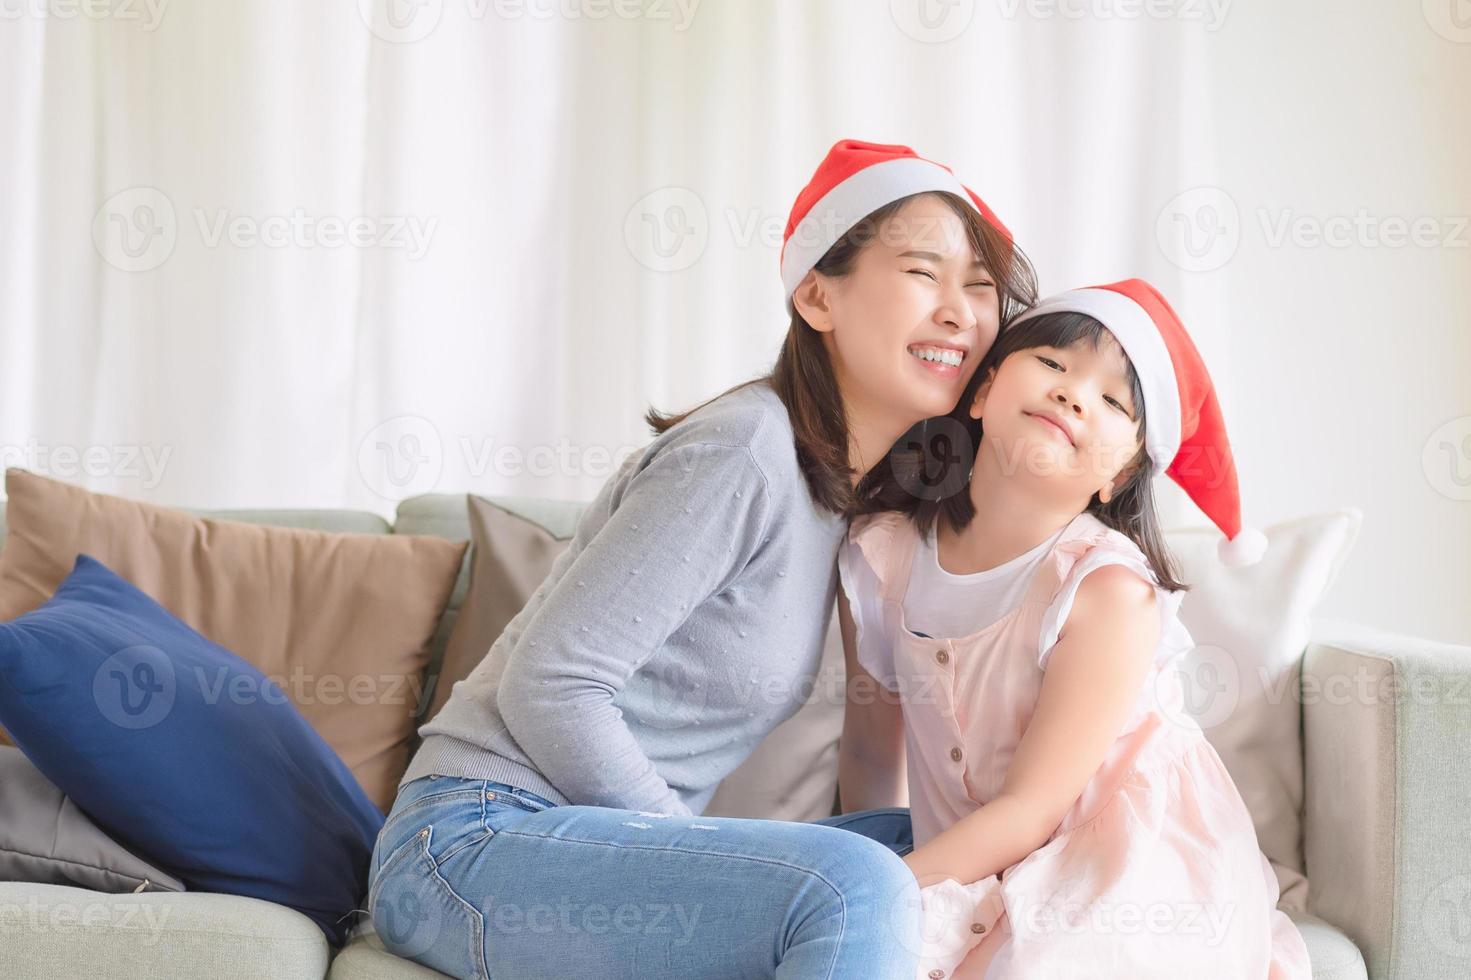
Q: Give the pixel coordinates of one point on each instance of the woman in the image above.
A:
(548, 826)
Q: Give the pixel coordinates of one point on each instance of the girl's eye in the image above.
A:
(980, 284)
(1115, 403)
(924, 272)
(1049, 362)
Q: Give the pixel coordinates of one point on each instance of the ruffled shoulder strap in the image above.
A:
(886, 540)
(1084, 536)
(1089, 544)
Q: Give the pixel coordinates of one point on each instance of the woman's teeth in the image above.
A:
(950, 357)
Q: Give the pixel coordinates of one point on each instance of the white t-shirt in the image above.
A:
(940, 604)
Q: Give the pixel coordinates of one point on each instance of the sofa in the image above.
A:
(1385, 832)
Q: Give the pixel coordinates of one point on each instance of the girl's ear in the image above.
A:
(1120, 480)
(978, 400)
(812, 300)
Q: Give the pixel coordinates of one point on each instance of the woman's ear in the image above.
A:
(978, 400)
(812, 300)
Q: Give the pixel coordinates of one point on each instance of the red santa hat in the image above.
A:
(854, 180)
(1186, 435)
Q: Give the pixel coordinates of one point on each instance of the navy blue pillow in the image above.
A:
(184, 752)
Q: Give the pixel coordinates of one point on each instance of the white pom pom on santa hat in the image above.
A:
(1246, 548)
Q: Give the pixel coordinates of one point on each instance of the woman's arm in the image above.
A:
(684, 528)
(871, 771)
(1094, 676)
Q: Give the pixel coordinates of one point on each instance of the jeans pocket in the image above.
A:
(420, 917)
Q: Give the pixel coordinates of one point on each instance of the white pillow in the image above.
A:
(1243, 678)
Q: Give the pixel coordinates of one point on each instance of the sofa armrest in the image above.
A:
(1387, 839)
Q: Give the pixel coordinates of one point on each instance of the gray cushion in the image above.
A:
(45, 839)
(1334, 956)
(364, 958)
(54, 931)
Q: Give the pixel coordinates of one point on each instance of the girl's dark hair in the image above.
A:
(927, 474)
(803, 375)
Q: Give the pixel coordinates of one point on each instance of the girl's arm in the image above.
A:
(871, 771)
(1094, 676)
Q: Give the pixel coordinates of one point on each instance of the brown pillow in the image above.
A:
(511, 558)
(341, 622)
(793, 772)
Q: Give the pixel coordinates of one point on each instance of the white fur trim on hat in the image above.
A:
(854, 199)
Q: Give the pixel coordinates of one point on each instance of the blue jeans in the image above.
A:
(482, 880)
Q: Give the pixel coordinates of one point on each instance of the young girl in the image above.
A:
(1069, 819)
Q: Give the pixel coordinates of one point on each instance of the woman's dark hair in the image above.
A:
(803, 377)
(927, 474)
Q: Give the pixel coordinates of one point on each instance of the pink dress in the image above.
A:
(1155, 871)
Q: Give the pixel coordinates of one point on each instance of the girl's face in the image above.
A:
(907, 326)
(1065, 414)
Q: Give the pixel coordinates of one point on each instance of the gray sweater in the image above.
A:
(684, 621)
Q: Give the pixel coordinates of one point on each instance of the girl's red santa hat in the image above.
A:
(854, 180)
(1186, 435)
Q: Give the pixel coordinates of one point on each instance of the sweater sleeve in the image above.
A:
(681, 530)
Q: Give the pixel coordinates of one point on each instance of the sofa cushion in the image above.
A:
(182, 751)
(1332, 954)
(510, 557)
(365, 958)
(45, 839)
(1243, 678)
(55, 931)
(342, 621)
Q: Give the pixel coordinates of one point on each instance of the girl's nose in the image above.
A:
(1067, 403)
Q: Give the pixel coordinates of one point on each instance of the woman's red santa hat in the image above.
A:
(1186, 435)
(854, 180)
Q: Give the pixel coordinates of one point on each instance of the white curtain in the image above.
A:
(269, 253)
(561, 218)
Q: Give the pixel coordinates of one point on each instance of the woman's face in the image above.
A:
(907, 326)
(1062, 413)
